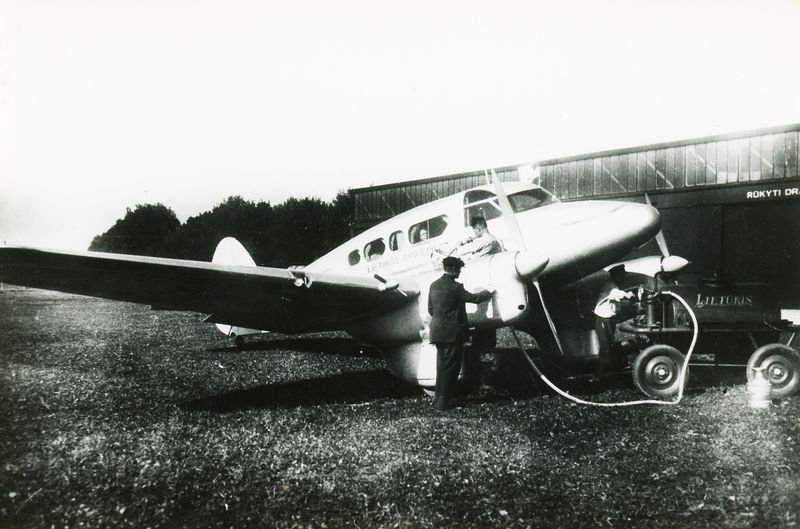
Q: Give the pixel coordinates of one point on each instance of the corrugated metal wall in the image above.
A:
(767, 155)
(377, 203)
(749, 157)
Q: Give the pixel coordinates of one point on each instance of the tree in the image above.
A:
(293, 233)
(140, 232)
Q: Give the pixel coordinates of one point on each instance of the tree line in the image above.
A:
(292, 233)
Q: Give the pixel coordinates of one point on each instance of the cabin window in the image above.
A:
(374, 249)
(396, 241)
(354, 257)
(530, 199)
(480, 203)
(427, 229)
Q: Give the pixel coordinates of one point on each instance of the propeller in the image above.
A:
(669, 263)
(660, 239)
(519, 241)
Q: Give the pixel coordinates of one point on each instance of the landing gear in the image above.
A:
(781, 366)
(657, 369)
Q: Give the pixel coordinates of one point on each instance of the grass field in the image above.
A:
(112, 415)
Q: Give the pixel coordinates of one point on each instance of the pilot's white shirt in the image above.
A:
(478, 246)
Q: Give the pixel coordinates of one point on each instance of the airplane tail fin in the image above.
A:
(231, 252)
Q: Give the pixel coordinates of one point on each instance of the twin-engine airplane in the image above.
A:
(375, 286)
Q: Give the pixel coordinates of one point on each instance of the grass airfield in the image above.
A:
(112, 415)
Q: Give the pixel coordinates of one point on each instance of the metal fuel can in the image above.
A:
(759, 390)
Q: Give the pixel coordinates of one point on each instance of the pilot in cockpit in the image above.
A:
(481, 242)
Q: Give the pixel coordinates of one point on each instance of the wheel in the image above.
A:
(781, 366)
(657, 369)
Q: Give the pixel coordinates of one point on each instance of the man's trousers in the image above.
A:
(448, 366)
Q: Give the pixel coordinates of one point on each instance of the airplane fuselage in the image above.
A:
(578, 238)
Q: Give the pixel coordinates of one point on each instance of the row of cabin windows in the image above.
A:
(477, 203)
(418, 233)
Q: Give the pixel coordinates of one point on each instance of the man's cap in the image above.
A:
(452, 262)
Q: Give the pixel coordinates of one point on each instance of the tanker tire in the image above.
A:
(781, 366)
(657, 369)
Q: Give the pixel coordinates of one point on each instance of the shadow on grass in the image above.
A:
(344, 388)
(331, 345)
(581, 379)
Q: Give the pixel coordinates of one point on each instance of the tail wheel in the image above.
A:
(657, 370)
(781, 366)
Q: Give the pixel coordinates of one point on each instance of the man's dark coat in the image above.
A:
(446, 300)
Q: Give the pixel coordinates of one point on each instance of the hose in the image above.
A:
(681, 377)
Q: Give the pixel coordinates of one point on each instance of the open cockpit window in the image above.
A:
(374, 249)
(354, 258)
(427, 229)
(530, 199)
(480, 203)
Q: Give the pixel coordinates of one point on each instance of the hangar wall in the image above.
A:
(728, 202)
(375, 204)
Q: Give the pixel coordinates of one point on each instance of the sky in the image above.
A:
(107, 104)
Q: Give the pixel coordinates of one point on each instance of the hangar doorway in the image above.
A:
(761, 242)
(749, 242)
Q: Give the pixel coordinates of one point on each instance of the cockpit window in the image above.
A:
(530, 199)
(427, 229)
(374, 249)
(480, 203)
(354, 258)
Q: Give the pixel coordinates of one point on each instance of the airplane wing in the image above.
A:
(274, 299)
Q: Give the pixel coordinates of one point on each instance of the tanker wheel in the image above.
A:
(781, 366)
(657, 369)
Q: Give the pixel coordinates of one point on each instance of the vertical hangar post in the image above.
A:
(729, 203)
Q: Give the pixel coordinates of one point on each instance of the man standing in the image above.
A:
(446, 300)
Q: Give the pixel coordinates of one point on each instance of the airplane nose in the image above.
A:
(589, 235)
(643, 220)
(616, 219)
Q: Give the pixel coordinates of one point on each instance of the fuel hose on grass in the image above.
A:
(681, 377)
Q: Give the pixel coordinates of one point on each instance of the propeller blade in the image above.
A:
(527, 263)
(660, 239)
(549, 319)
(508, 214)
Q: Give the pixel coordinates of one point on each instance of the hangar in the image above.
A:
(729, 203)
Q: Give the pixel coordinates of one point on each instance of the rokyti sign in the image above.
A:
(776, 192)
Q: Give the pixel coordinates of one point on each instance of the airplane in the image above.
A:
(375, 286)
